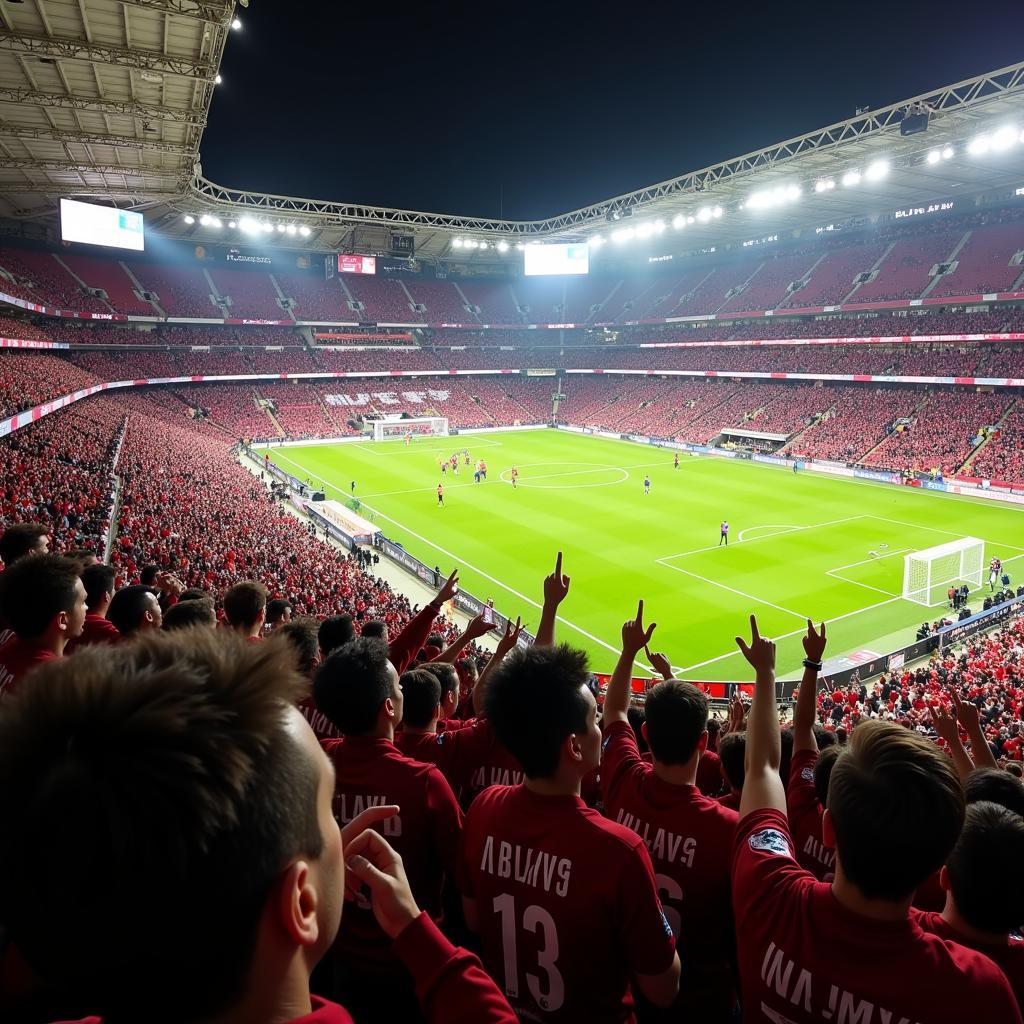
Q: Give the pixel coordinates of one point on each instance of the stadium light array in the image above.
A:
(280, 228)
(767, 198)
(824, 184)
(877, 170)
(189, 219)
(291, 229)
(236, 25)
(502, 246)
(1003, 138)
(623, 234)
(706, 213)
(678, 221)
(217, 80)
(267, 227)
(596, 242)
(851, 178)
(305, 231)
(520, 247)
(231, 224)
(456, 243)
(205, 220)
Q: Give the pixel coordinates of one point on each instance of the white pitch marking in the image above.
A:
(780, 530)
(469, 565)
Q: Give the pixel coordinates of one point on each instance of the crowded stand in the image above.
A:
(49, 279)
(180, 290)
(248, 293)
(1001, 457)
(28, 378)
(314, 298)
(383, 300)
(942, 432)
(112, 279)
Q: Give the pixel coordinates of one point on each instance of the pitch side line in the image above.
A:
(754, 540)
(733, 590)
(795, 632)
(486, 575)
(836, 573)
(400, 449)
(935, 529)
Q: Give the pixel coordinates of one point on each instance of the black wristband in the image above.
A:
(816, 665)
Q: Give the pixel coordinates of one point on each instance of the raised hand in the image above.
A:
(477, 628)
(814, 642)
(634, 637)
(966, 712)
(556, 586)
(379, 866)
(511, 636)
(659, 663)
(451, 586)
(944, 723)
(760, 652)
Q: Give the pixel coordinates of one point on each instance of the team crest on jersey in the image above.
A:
(807, 774)
(771, 840)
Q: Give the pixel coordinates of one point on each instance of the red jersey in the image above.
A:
(805, 814)
(97, 630)
(17, 659)
(730, 800)
(709, 774)
(804, 958)
(568, 905)
(471, 759)
(371, 772)
(323, 728)
(1007, 954)
(690, 840)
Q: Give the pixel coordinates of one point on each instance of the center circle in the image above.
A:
(566, 475)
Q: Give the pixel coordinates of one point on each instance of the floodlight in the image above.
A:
(1004, 138)
(979, 145)
(645, 230)
(231, 224)
(217, 80)
(877, 170)
(205, 220)
(189, 219)
(484, 245)
(678, 221)
(267, 227)
(824, 184)
(716, 212)
(597, 241)
(520, 246)
(291, 229)
(236, 25)
(304, 231)
(623, 234)
(216, 222)
(934, 156)
(502, 246)
(851, 178)
(704, 214)
(456, 243)
(690, 220)
(248, 225)
(947, 152)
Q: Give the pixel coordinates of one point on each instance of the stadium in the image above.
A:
(781, 390)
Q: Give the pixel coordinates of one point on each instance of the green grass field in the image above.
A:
(800, 545)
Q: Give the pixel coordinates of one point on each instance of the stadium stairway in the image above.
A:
(826, 414)
(139, 287)
(878, 444)
(81, 284)
(966, 467)
(952, 256)
(465, 301)
(848, 297)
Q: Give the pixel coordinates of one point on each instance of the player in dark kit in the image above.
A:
(724, 536)
(675, 461)
(440, 495)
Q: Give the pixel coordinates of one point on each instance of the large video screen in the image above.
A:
(357, 264)
(101, 225)
(573, 258)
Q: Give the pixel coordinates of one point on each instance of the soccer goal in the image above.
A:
(420, 426)
(928, 574)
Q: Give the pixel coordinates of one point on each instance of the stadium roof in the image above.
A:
(108, 99)
(105, 99)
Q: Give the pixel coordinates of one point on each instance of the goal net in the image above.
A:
(928, 574)
(420, 426)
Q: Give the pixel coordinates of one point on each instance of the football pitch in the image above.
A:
(800, 544)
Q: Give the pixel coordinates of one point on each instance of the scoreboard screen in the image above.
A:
(540, 260)
(357, 264)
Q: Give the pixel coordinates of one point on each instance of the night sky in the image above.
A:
(531, 109)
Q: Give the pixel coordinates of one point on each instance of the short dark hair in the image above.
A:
(276, 608)
(165, 766)
(422, 696)
(19, 539)
(824, 737)
(128, 606)
(194, 594)
(374, 629)
(990, 847)
(352, 684)
(446, 675)
(34, 590)
(148, 575)
(82, 556)
(243, 603)
(534, 700)
(98, 581)
(996, 787)
(896, 807)
(186, 614)
(823, 772)
(335, 631)
(732, 751)
(435, 640)
(677, 715)
(301, 634)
